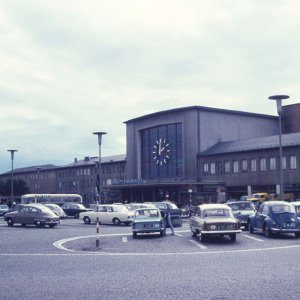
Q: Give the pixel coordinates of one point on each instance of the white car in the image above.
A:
(108, 214)
(56, 209)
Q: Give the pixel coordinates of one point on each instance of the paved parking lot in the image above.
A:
(66, 263)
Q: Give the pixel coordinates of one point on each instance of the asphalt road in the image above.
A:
(63, 263)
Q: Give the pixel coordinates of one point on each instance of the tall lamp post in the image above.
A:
(12, 154)
(279, 99)
(98, 184)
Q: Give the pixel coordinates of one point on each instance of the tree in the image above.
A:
(20, 188)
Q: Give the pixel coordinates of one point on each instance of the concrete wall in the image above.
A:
(291, 118)
(202, 128)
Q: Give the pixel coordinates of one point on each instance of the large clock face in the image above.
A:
(161, 151)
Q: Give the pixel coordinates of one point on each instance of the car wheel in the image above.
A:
(23, 225)
(87, 220)
(39, 224)
(267, 231)
(127, 223)
(10, 222)
(51, 225)
(116, 221)
(233, 237)
(134, 234)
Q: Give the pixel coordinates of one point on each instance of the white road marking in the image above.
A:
(252, 238)
(124, 239)
(198, 244)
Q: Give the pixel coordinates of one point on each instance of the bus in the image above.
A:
(59, 199)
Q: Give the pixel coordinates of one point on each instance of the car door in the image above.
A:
(109, 214)
(261, 215)
(23, 215)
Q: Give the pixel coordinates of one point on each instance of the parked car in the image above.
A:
(3, 209)
(214, 220)
(74, 209)
(147, 220)
(175, 212)
(32, 214)
(134, 205)
(108, 214)
(242, 210)
(56, 209)
(296, 204)
(275, 217)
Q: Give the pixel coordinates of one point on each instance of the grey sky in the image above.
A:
(72, 67)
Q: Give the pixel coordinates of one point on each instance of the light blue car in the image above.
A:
(147, 220)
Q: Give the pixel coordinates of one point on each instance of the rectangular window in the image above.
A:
(293, 162)
(283, 163)
(235, 166)
(244, 165)
(212, 168)
(262, 164)
(253, 165)
(272, 163)
(227, 166)
(206, 168)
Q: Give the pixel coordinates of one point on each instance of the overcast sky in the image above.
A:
(72, 67)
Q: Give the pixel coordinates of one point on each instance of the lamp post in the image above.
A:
(279, 99)
(12, 154)
(98, 184)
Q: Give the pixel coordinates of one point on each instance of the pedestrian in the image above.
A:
(167, 220)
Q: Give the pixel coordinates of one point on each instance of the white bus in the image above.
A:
(59, 199)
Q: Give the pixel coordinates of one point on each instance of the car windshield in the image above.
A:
(281, 208)
(147, 213)
(217, 212)
(241, 206)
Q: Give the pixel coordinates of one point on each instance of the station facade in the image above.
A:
(193, 153)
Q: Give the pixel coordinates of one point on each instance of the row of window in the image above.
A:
(106, 169)
(252, 165)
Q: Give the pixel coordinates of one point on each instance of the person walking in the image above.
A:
(167, 220)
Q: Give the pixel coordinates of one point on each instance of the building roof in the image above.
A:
(32, 169)
(202, 108)
(260, 143)
(77, 163)
(93, 160)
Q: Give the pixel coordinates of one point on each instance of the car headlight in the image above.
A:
(213, 226)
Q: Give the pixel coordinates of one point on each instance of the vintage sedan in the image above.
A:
(116, 214)
(275, 217)
(175, 212)
(242, 210)
(3, 209)
(32, 214)
(74, 209)
(56, 209)
(214, 220)
(147, 220)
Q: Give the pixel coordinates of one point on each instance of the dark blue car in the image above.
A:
(275, 217)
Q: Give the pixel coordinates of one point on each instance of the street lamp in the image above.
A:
(98, 183)
(12, 153)
(279, 99)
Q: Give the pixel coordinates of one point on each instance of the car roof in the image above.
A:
(213, 205)
(234, 202)
(275, 202)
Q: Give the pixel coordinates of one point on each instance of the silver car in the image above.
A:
(214, 220)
